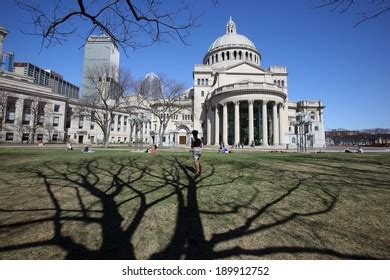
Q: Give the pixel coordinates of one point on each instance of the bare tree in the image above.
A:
(162, 97)
(132, 108)
(3, 106)
(21, 128)
(107, 86)
(365, 9)
(129, 23)
(37, 116)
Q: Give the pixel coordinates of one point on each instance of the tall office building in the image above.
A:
(99, 52)
(47, 78)
(8, 61)
(3, 33)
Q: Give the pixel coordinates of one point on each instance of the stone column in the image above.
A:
(250, 113)
(19, 111)
(275, 124)
(258, 118)
(236, 122)
(216, 126)
(265, 123)
(281, 118)
(208, 123)
(225, 125)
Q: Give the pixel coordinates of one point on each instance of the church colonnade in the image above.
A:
(245, 121)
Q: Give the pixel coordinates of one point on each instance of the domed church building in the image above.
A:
(237, 101)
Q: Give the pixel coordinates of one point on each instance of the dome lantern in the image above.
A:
(231, 27)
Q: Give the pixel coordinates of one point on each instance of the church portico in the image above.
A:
(254, 121)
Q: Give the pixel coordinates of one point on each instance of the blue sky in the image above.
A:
(347, 68)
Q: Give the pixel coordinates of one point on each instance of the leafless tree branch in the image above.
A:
(129, 23)
(365, 9)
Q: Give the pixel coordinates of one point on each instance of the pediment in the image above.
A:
(245, 67)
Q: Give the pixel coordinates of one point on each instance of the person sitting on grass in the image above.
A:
(153, 150)
(87, 149)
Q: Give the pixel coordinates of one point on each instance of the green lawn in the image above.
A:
(115, 204)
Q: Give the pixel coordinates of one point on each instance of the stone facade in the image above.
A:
(236, 101)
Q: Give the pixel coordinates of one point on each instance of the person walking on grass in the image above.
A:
(196, 145)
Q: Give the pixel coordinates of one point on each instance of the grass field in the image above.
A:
(112, 204)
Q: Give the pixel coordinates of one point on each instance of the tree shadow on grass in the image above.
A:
(115, 183)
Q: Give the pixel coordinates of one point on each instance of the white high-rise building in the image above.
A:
(99, 52)
(3, 33)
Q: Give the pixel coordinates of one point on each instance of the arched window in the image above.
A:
(235, 54)
(250, 56)
(207, 82)
(246, 55)
(239, 55)
(227, 55)
(275, 82)
(223, 56)
(202, 82)
(282, 83)
(212, 59)
(278, 82)
(216, 57)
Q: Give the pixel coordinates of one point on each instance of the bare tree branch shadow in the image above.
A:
(116, 182)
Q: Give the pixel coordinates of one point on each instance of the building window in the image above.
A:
(282, 83)
(40, 137)
(289, 128)
(293, 140)
(164, 139)
(207, 82)
(9, 137)
(55, 138)
(198, 82)
(10, 110)
(56, 108)
(202, 82)
(41, 113)
(202, 93)
(25, 137)
(56, 120)
(26, 112)
(316, 128)
(81, 122)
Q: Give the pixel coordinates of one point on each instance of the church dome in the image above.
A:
(229, 48)
(231, 38)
